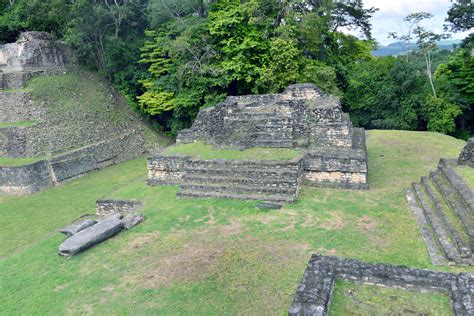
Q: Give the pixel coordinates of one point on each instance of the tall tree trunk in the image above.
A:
(429, 71)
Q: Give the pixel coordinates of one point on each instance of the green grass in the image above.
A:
(15, 162)
(17, 124)
(83, 94)
(357, 299)
(204, 151)
(214, 256)
(467, 173)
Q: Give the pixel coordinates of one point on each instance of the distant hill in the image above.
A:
(398, 48)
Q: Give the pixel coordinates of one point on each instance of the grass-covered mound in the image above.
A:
(203, 151)
(215, 256)
(80, 109)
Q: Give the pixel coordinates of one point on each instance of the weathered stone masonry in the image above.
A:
(71, 144)
(314, 295)
(443, 205)
(302, 117)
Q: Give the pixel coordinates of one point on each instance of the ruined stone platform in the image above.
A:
(443, 205)
(302, 117)
(65, 146)
(315, 292)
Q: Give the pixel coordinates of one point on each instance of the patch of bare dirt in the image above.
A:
(367, 223)
(141, 241)
(334, 222)
(309, 221)
(192, 261)
(234, 228)
(267, 219)
(292, 220)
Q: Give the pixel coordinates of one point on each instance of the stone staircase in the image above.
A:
(269, 181)
(268, 128)
(443, 206)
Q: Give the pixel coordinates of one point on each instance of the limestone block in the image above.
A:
(77, 227)
(90, 237)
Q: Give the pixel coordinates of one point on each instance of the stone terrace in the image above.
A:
(301, 117)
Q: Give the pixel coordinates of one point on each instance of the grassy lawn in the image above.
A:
(467, 173)
(17, 124)
(215, 256)
(14, 162)
(203, 151)
(357, 299)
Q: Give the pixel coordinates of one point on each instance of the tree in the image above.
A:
(460, 16)
(425, 39)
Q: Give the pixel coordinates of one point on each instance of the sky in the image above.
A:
(390, 16)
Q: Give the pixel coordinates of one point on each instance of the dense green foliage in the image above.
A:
(170, 58)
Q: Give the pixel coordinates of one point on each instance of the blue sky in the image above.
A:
(390, 16)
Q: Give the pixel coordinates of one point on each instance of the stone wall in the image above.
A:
(166, 170)
(59, 169)
(338, 167)
(25, 179)
(466, 157)
(313, 296)
(33, 51)
(123, 207)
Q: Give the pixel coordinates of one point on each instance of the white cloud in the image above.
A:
(390, 16)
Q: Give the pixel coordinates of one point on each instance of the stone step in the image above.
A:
(279, 182)
(257, 120)
(453, 200)
(238, 189)
(278, 143)
(442, 237)
(257, 165)
(466, 195)
(244, 171)
(437, 257)
(258, 197)
(461, 240)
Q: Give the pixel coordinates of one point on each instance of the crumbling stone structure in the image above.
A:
(67, 146)
(302, 117)
(466, 158)
(123, 207)
(313, 296)
(443, 205)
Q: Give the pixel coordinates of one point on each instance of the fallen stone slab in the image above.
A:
(132, 220)
(77, 227)
(90, 236)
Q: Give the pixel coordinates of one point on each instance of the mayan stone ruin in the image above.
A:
(443, 205)
(466, 158)
(302, 117)
(66, 146)
(314, 295)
